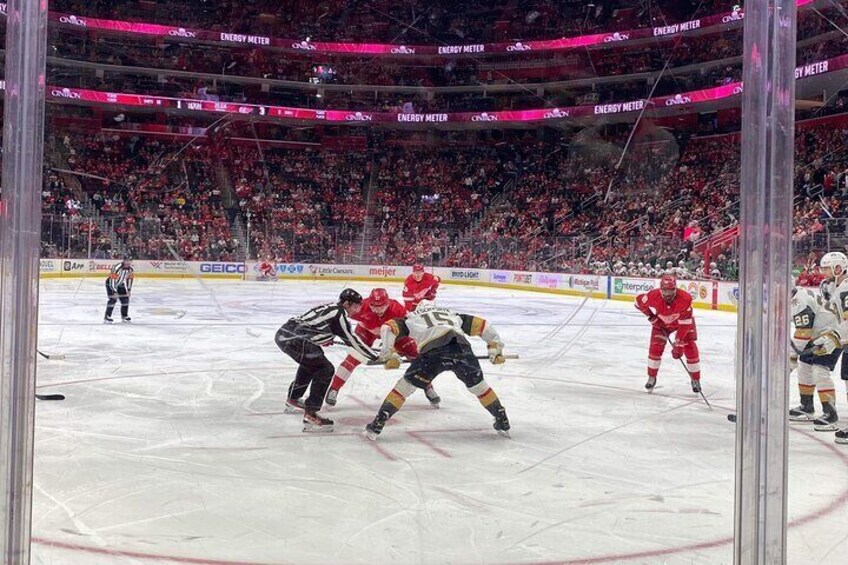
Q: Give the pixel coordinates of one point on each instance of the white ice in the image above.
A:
(172, 445)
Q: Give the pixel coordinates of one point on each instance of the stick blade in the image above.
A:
(50, 396)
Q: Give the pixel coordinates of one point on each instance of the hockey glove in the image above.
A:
(656, 322)
(406, 347)
(793, 361)
(392, 362)
(826, 343)
(677, 350)
(496, 353)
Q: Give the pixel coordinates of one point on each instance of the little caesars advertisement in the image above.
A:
(632, 286)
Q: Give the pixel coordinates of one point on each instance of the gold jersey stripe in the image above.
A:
(477, 326)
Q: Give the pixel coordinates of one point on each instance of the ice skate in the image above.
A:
(696, 386)
(107, 319)
(332, 397)
(501, 424)
(126, 319)
(314, 422)
(802, 413)
(652, 382)
(375, 428)
(432, 396)
(826, 422)
(842, 436)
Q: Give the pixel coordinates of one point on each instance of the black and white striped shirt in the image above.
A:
(321, 323)
(120, 276)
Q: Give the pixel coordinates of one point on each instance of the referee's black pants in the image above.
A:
(115, 295)
(314, 371)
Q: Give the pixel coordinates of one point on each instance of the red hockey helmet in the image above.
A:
(668, 287)
(418, 268)
(379, 300)
(379, 297)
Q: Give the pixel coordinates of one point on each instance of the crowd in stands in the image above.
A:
(528, 205)
(163, 198)
(682, 76)
(402, 21)
(521, 206)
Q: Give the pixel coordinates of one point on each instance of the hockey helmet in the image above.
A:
(835, 259)
(350, 296)
(668, 286)
(379, 297)
(418, 268)
(379, 300)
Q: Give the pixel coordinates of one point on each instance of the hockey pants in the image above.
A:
(657, 347)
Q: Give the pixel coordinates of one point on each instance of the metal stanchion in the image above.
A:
(768, 106)
(20, 231)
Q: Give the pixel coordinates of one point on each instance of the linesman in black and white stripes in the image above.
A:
(302, 338)
(118, 287)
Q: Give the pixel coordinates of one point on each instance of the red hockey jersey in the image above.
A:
(416, 291)
(371, 322)
(677, 315)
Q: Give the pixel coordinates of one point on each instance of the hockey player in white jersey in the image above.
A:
(814, 319)
(442, 345)
(834, 266)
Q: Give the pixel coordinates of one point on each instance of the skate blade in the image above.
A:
(371, 435)
(435, 405)
(504, 433)
(311, 428)
(801, 419)
(826, 428)
(292, 410)
(841, 440)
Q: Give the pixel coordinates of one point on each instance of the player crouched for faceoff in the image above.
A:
(118, 287)
(302, 338)
(376, 310)
(815, 349)
(440, 335)
(419, 286)
(834, 267)
(669, 310)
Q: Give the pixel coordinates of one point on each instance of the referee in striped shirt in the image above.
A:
(302, 338)
(118, 287)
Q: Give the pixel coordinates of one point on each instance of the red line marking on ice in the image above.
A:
(803, 520)
(139, 555)
(384, 452)
(429, 444)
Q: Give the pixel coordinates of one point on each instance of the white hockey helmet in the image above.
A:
(835, 259)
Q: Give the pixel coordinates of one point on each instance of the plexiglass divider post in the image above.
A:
(20, 242)
(768, 105)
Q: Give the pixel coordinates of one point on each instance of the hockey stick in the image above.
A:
(53, 356)
(50, 396)
(685, 368)
(404, 361)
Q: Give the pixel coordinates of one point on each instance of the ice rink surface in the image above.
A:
(172, 445)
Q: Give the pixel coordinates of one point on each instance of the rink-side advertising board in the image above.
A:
(706, 294)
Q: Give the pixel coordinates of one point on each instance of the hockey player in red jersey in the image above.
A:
(669, 310)
(376, 310)
(267, 270)
(419, 286)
